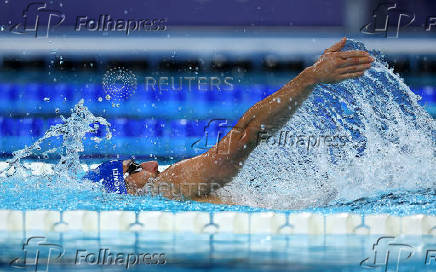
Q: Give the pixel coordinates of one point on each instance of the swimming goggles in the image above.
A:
(133, 167)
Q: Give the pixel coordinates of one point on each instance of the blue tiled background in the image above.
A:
(151, 123)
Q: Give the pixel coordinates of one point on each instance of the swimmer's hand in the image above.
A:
(334, 66)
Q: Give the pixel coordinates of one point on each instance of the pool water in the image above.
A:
(44, 194)
(386, 166)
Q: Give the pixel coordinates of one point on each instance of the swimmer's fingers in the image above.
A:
(354, 68)
(337, 46)
(353, 54)
(353, 61)
(350, 75)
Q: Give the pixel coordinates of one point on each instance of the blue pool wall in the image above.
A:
(152, 123)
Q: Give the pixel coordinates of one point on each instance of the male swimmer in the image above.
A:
(198, 177)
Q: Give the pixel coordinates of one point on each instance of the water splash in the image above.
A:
(391, 146)
(72, 131)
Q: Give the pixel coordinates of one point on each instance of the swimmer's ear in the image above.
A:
(337, 46)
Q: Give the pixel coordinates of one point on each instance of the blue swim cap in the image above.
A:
(110, 175)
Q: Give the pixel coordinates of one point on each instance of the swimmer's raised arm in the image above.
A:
(272, 112)
(222, 162)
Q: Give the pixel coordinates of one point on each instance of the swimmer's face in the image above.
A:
(141, 176)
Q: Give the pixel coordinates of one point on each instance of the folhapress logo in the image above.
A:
(383, 15)
(38, 254)
(38, 20)
(214, 131)
(105, 23)
(388, 254)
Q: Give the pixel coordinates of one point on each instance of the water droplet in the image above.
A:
(57, 110)
(47, 99)
(108, 97)
(100, 99)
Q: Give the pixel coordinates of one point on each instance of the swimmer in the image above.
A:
(198, 177)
